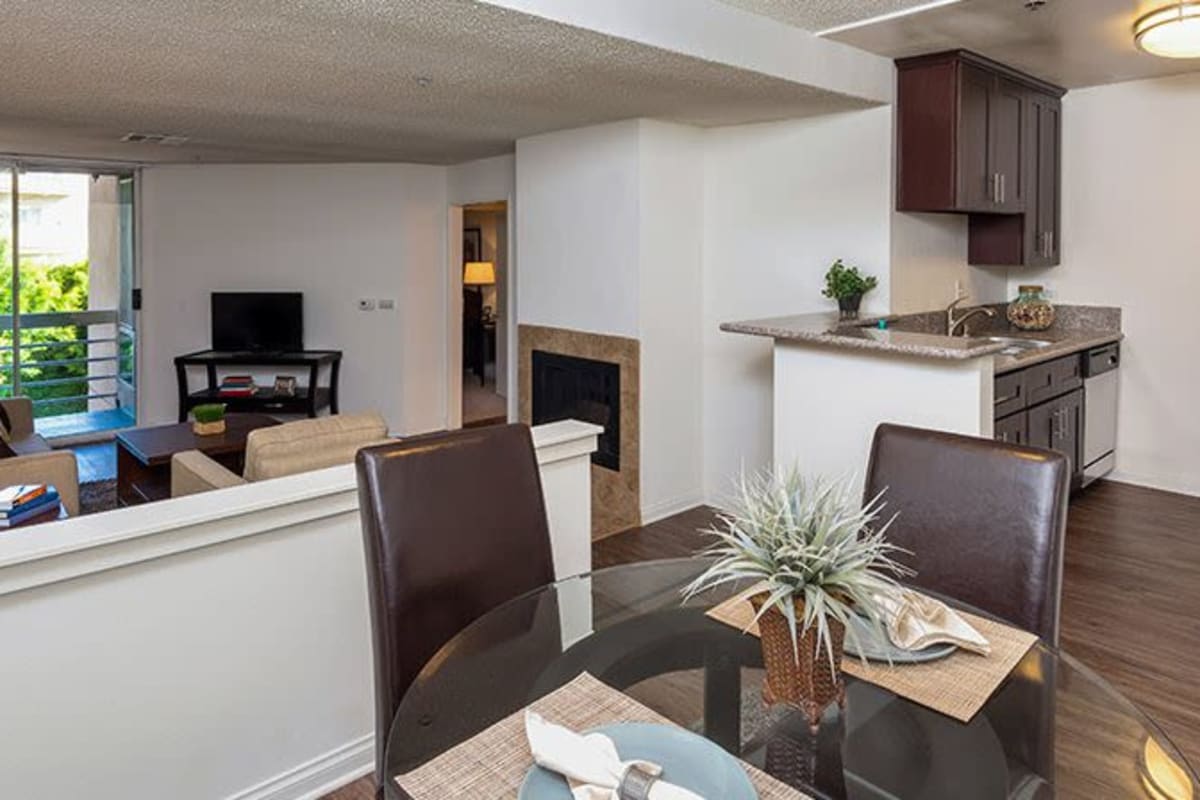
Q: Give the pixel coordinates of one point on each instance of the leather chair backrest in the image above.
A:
(454, 524)
(984, 520)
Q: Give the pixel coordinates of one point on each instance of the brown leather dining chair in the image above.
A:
(454, 524)
(983, 521)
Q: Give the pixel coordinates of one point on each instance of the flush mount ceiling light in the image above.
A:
(1171, 31)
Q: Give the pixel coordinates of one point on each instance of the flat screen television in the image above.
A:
(257, 321)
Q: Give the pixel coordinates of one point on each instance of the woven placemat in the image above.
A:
(957, 686)
(492, 764)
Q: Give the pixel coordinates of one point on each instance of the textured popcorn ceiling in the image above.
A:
(819, 15)
(1074, 43)
(322, 80)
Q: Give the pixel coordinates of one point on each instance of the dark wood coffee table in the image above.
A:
(144, 454)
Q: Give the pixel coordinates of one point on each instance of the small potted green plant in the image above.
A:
(208, 419)
(847, 285)
(813, 555)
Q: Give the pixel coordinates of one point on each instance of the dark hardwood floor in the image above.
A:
(1131, 597)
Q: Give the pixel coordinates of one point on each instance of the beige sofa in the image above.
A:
(281, 450)
(34, 461)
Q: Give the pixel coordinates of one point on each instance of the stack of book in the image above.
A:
(237, 386)
(19, 503)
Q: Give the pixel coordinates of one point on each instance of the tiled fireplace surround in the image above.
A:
(616, 496)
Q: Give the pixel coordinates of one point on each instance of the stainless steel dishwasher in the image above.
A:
(1100, 386)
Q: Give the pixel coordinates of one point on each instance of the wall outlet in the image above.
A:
(366, 304)
(387, 304)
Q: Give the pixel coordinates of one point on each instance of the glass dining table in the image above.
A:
(1052, 729)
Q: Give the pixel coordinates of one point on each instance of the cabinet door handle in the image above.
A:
(1049, 243)
(1003, 188)
(995, 187)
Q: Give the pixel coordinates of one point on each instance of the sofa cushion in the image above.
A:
(310, 444)
(29, 445)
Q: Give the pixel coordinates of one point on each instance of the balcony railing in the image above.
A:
(61, 365)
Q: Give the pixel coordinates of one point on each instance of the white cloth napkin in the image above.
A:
(590, 763)
(916, 621)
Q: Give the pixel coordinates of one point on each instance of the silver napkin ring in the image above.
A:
(635, 785)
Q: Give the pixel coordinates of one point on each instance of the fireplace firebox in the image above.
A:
(568, 387)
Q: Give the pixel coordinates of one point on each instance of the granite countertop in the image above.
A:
(1076, 328)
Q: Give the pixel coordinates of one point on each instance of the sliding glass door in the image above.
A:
(66, 284)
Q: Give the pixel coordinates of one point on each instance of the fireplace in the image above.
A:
(593, 377)
(570, 387)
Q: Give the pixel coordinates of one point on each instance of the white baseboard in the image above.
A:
(318, 777)
(667, 508)
(1154, 482)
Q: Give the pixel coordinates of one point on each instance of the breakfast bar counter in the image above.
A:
(836, 380)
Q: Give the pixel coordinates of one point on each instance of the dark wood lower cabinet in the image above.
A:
(1013, 429)
(1042, 406)
(1058, 425)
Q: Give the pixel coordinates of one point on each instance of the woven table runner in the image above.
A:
(492, 764)
(957, 686)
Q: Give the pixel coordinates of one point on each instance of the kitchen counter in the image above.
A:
(834, 382)
(1076, 328)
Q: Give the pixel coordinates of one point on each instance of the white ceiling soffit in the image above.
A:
(341, 80)
(822, 15)
(1073, 43)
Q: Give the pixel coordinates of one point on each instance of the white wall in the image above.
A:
(929, 255)
(782, 201)
(482, 181)
(1131, 239)
(335, 233)
(217, 646)
(577, 229)
(671, 250)
(610, 237)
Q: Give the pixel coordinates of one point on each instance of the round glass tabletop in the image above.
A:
(1052, 729)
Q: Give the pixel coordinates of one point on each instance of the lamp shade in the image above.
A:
(479, 273)
(1172, 31)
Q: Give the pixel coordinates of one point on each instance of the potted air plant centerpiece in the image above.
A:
(847, 285)
(208, 419)
(815, 555)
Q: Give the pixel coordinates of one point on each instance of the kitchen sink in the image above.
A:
(1015, 346)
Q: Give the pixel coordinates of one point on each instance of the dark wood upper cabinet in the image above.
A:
(1032, 238)
(977, 137)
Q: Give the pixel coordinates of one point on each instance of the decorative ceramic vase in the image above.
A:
(849, 306)
(208, 428)
(1031, 311)
(809, 683)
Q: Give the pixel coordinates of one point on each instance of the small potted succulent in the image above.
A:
(847, 285)
(208, 419)
(814, 555)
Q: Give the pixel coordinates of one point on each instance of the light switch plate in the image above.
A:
(387, 304)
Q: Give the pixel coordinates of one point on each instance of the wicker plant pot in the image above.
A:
(208, 428)
(808, 683)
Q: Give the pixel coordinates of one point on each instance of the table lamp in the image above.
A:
(479, 273)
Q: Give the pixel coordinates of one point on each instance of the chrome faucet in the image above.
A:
(953, 324)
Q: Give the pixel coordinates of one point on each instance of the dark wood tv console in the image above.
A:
(308, 399)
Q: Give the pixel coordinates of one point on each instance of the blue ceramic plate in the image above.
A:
(874, 646)
(687, 760)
